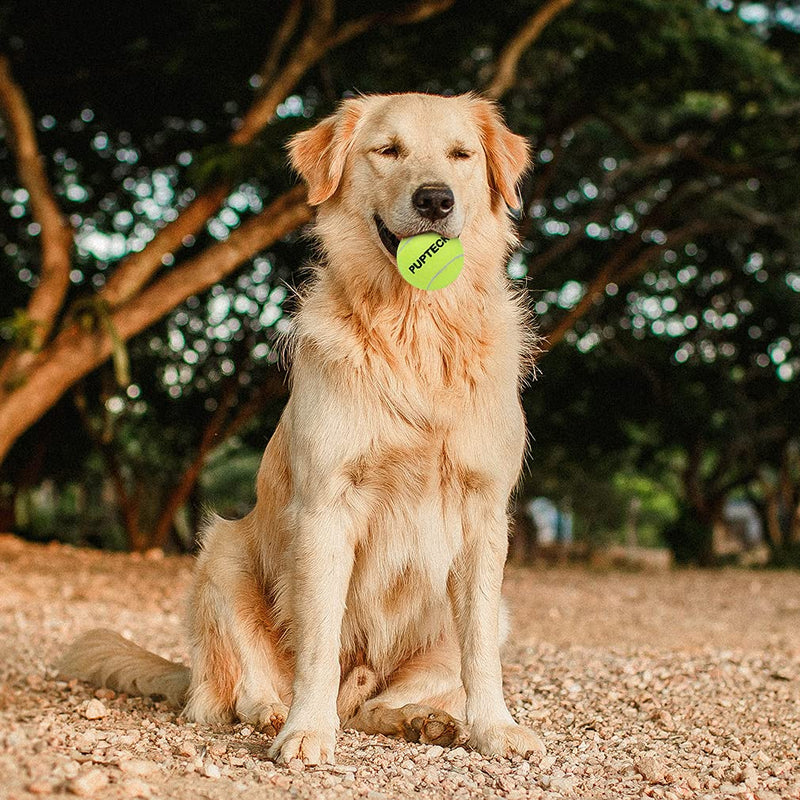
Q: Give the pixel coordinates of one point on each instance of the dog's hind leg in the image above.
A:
(423, 702)
(237, 670)
(264, 688)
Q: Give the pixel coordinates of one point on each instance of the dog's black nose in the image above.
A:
(433, 202)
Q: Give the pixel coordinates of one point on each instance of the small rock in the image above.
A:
(762, 759)
(296, 765)
(105, 694)
(139, 767)
(749, 776)
(135, 788)
(211, 770)
(666, 720)
(40, 787)
(693, 782)
(86, 741)
(651, 769)
(95, 709)
(548, 762)
(88, 784)
(563, 785)
(431, 776)
(187, 749)
(435, 751)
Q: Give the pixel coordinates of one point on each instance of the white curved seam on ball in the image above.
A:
(455, 258)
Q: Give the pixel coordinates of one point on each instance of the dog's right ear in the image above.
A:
(319, 154)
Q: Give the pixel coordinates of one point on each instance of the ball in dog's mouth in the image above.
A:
(391, 241)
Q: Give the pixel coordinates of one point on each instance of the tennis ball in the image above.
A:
(429, 261)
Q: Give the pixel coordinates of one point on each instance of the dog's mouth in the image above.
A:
(388, 239)
(391, 241)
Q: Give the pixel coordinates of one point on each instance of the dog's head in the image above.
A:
(407, 164)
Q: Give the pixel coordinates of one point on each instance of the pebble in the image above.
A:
(95, 709)
(547, 763)
(187, 749)
(88, 784)
(139, 767)
(40, 787)
(211, 770)
(135, 788)
(651, 769)
(563, 785)
(762, 759)
(86, 741)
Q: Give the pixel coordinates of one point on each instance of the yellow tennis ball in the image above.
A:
(430, 261)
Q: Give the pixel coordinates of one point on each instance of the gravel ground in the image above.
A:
(678, 684)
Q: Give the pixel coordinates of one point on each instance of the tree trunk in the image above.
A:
(176, 499)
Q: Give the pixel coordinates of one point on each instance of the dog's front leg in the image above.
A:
(321, 566)
(475, 584)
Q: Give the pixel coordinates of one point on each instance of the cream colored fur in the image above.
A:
(370, 569)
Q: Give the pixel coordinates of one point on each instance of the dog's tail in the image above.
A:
(104, 658)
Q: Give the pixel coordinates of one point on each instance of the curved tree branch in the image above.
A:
(55, 234)
(283, 34)
(507, 62)
(320, 39)
(312, 48)
(415, 12)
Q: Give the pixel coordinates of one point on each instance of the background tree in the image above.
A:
(659, 241)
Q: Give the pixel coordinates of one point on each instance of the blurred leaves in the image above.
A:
(19, 329)
(646, 117)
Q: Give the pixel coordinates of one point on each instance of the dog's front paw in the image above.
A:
(506, 739)
(310, 746)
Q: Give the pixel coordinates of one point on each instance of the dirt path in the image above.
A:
(672, 685)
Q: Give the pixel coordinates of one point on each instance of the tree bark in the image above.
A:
(55, 234)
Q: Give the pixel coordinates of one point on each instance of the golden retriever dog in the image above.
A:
(363, 590)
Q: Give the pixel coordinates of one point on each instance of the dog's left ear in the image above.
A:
(319, 154)
(507, 154)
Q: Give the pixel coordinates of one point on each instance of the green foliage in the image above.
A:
(19, 329)
(666, 134)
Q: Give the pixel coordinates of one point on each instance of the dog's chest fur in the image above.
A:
(425, 398)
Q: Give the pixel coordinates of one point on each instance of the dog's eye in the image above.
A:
(389, 150)
(460, 155)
